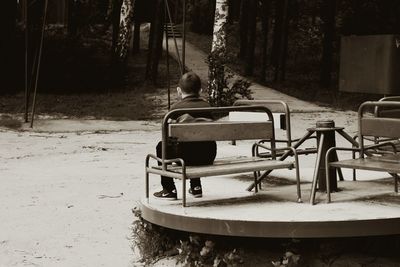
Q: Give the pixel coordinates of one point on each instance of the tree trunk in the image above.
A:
(115, 19)
(72, 28)
(176, 5)
(218, 51)
(234, 10)
(125, 30)
(155, 41)
(265, 31)
(328, 18)
(278, 21)
(8, 16)
(251, 41)
(281, 49)
(243, 24)
(136, 37)
(285, 39)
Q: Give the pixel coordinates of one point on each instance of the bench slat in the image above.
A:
(221, 131)
(383, 127)
(390, 164)
(222, 167)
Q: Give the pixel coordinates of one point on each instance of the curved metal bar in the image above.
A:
(383, 144)
(297, 166)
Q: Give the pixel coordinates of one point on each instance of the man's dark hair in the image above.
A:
(190, 83)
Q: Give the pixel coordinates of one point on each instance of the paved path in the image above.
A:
(195, 60)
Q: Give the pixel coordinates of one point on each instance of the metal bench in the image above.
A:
(279, 107)
(282, 109)
(372, 157)
(219, 131)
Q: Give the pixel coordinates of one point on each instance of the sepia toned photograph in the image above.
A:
(200, 133)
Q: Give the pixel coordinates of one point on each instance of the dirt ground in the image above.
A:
(68, 185)
(68, 188)
(67, 196)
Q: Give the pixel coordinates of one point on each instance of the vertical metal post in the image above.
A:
(38, 64)
(167, 55)
(329, 142)
(317, 168)
(25, 3)
(183, 35)
(173, 36)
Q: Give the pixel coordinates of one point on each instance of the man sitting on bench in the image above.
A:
(193, 153)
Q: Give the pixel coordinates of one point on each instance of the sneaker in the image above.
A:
(165, 194)
(196, 192)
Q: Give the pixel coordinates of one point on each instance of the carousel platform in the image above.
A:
(366, 207)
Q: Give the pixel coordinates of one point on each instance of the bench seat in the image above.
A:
(224, 167)
(390, 163)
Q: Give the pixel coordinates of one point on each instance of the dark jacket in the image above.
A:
(193, 102)
(195, 153)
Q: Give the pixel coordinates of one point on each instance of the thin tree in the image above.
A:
(281, 32)
(251, 36)
(155, 41)
(234, 10)
(265, 11)
(136, 36)
(8, 15)
(115, 12)
(328, 27)
(218, 51)
(243, 24)
(277, 31)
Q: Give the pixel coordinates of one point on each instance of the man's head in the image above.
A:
(189, 84)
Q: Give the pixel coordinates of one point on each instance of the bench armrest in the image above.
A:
(259, 144)
(166, 161)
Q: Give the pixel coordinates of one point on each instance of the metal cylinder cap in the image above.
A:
(325, 124)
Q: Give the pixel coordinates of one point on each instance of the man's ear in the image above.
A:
(179, 90)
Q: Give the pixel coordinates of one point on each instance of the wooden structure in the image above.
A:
(370, 156)
(220, 131)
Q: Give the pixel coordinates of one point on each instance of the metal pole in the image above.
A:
(26, 59)
(183, 35)
(39, 61)
(167, 52)
(173, 36)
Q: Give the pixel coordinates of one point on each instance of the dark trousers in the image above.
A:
(193, 153)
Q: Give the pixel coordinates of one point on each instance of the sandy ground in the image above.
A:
(67, 196)
(68, 187)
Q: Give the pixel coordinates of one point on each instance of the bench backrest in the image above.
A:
(217, 130)
(377, 126)
(388, 112)
(380, 127)
(221, 131)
